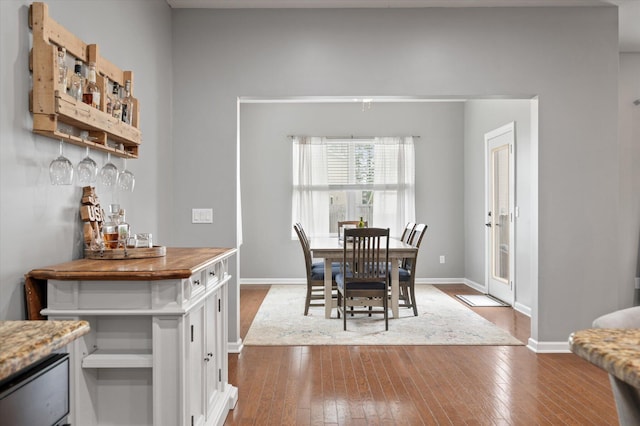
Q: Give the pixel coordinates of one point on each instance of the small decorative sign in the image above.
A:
(92, 215)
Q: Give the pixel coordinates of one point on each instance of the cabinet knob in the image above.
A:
(210, 354)
(212, 273)
(196, 282)
(206, 359)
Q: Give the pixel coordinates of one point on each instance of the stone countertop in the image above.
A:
(615, 350)
(23, 343)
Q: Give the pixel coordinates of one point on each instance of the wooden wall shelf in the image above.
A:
(58, 115)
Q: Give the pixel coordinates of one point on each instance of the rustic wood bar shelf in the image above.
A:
(60, 116)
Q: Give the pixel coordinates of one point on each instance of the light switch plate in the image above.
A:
(201, 215)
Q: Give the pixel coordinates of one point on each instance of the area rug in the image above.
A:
(441, 320)
(480, 300)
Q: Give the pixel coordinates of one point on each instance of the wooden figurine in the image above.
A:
(92, 215)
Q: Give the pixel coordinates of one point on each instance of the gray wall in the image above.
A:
(266, 178)
(39, 223)
(629, 117)
(566, 56)
(482, 116)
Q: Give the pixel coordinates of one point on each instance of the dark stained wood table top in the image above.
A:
(177, 264)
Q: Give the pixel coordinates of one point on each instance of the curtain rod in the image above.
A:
(353, 137)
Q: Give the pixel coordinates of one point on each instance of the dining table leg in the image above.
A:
(395, 288)
(328, 284)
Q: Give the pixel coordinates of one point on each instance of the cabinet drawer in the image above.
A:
(196, 284)
(213, 274)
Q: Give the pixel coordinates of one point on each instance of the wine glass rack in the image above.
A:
(57, 114)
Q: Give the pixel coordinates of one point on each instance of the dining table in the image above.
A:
(331, 249)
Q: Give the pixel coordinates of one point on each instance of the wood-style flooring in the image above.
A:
(415, 385)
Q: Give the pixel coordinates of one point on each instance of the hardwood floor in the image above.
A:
(414, 385)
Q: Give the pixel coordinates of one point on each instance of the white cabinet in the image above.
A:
(157, 350)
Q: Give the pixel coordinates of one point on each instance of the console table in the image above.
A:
(157, 350)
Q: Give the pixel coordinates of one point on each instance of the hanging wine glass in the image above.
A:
(87, 171)
(61, 170)
(108, 173)
(126, 179)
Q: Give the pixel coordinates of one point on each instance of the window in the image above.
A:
(345, 179)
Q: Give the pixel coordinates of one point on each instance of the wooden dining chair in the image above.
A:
(407, 272)
(314, 273)
(408, 232)
(364, 277)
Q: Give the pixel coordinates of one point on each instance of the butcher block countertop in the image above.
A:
(178, 263)
(23, 343)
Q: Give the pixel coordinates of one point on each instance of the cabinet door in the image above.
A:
(222, 338)
(212, 366)
(195, 358)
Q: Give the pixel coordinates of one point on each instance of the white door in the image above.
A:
(500, 202)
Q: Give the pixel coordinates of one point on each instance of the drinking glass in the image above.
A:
(87, 170)
(126, 179)
(61, 170)
(108, 173)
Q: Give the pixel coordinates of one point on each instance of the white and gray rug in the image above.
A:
(441, 320)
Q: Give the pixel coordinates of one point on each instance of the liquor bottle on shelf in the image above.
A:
(361, 223)
(109, 98)
(116, 109)
(76, 85)
(127, 103)
(91, 95)
(62, 70)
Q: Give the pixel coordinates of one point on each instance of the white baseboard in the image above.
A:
(235, 347)
(270, 281)
(440, 281)
(523, 309)
(548, 347)
(476, 286)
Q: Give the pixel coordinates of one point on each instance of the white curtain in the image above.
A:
(394, 183)
(310, 198)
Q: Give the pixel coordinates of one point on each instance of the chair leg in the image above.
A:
(344, 313)
(412, 290)
(385, 303)
(307, 302)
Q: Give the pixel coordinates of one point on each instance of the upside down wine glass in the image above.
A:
(87, 170)
(108, 173)
(126, 179)
(61, 170)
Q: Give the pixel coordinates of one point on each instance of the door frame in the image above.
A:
(509, 127)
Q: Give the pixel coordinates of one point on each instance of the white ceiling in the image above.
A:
(628, 10)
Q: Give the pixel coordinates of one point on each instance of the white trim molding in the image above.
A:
(482, 288)
(235, 347)
(548, 347)
(523, 309)
(273, 281)
(440, 281)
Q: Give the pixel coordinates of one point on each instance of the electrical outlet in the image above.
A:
(201, 215)
(441, 259)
